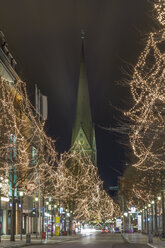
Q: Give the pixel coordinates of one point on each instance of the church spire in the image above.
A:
(83, 131)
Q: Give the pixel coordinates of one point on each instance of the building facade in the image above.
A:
(23, 205)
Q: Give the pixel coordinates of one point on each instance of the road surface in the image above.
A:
(101, 240)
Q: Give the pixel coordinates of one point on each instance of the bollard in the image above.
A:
(28, 238)
(150, 238)
(43, 235)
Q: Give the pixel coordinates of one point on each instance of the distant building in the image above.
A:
(41, 103)
(7, 62)
(83, 131)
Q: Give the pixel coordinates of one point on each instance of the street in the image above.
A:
(100, 240)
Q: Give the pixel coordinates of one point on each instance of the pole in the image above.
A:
(12, 238)
(36, 220)
(47, 223)
(21, 217)
(55, 218)
(159, 215)
(52, 210)
(147, 221)
(150, 207)
(156, 217)
(143, 221)
(43, 215)
(163, 214)
(70, 218)
(0, 216)
(152, 210)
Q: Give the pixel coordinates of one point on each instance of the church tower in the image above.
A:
(83, 131)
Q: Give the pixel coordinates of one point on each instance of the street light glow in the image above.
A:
(21, 193)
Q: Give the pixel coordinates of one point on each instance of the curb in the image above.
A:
(125, 239)
(151, 245)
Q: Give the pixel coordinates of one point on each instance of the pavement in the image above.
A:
(131, 238)
(96, 240)
(6, 243)
(139, 238)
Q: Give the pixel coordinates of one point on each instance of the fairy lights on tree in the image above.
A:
(148, 91)
(144, 180)
(28, 159)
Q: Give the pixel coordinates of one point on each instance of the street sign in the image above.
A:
(57, 219)
(133, 210)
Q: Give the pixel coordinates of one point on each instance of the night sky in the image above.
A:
(44, 38)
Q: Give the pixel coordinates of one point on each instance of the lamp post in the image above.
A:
(159, 198)
(125, 220)
(152, 211)
(21, 201)
(55, 206)
(149, 225)
(149, 218)
(1, 178)
(146, 220)
(163, 214)
(156, 215)
(143, 220)
(47, 203)
(36, 201)
(52, 219)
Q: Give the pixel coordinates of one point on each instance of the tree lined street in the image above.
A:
(58, 197)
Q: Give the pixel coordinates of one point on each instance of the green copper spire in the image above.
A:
(83, 131)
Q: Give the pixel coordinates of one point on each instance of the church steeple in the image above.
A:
(83, 131)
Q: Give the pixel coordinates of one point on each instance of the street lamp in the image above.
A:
(159, 199)
(152, 210)
(148, 218)
(55, 207)
(21, 201)
(36, 200)
(47, 211)
(1, 178)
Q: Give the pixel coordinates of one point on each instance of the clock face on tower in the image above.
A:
(84, 144)
(82, 141)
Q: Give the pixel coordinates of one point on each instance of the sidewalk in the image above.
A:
(143, 239)
(6, 243)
